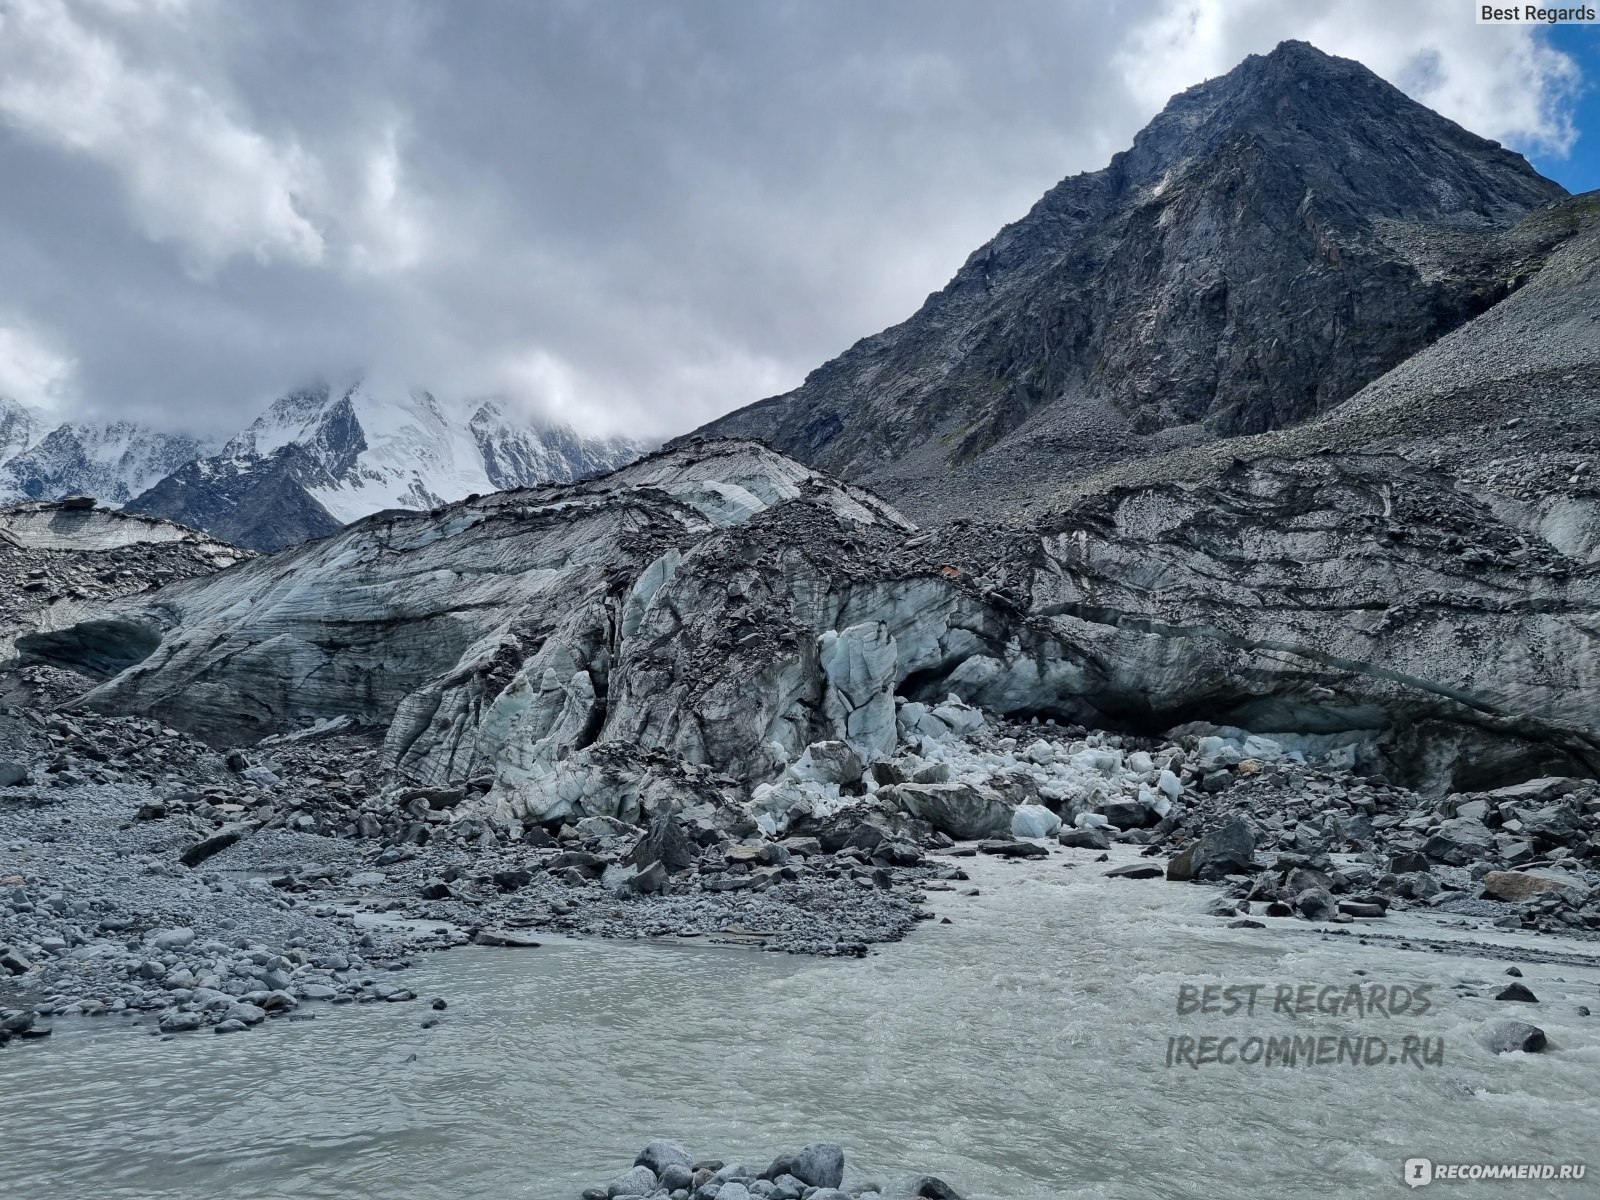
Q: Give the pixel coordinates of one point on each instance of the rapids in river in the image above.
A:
(1019, 1052)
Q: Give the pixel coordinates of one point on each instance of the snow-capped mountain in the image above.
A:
(323, 456)
(112, 461)
(19, 428)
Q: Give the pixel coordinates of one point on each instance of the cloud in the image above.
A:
(194, 176)
(632, 216)
(31, 371)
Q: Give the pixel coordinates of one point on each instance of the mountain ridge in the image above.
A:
(1272, 241)
(319, 457)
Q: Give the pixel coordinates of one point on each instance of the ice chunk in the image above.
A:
(1034, 821)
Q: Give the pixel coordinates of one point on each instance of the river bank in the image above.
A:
(1017, 1052)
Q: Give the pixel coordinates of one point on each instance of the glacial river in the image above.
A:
(1018, 1052)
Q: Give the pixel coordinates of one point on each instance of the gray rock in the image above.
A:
(1519, 886)
(1503, 1037)
(13, 963)
(821, 1164)
(13, 774)
(1358, 908)
(179, 1022)
(829, 762)
(1459, 841)
(214, 843)
(248, 1014)
(661, 1153)
(651, 878)
(1517, 991)
(1222, 852)
(1407, 863)
(674, 1176)
(1125, 814)
(959, 810)
(921, 1187)
(1085, 839)
(639, 1181)
(1138, 870)
(665, 842)
(1315, 904)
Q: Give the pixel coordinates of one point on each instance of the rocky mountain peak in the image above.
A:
(1272, 241)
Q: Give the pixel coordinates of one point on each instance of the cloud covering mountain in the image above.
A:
(632, 218)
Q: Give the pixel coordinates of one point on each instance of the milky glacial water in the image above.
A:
(1017, 1052)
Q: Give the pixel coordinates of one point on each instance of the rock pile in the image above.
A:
(665, 1169)
(1327, 844)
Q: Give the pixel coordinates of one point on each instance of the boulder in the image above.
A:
(12, 962)
(675, 1177)
(13, 774)
(590, 828)
(1504, 1037)
(651, 878)
(1125, 814)
(1459, 841)
(1533, 791)
(1315, 904)
(662, 1153)
(1552, 825)
(959, 810)
(215, 843)
(921, 1187)
(1407, 862)
(1011, 848)
(510, 938)
(1085, 839)
(828, 762)
(1361, 908)
(821, 1164)
(248, 1014)
(1517, 886)
(637, 1181)
(1138, 870)
(1222, 852)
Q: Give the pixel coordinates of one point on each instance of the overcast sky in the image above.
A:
(634, 215)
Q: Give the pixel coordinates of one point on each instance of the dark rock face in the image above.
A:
(1275, 239)
(262, 505)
